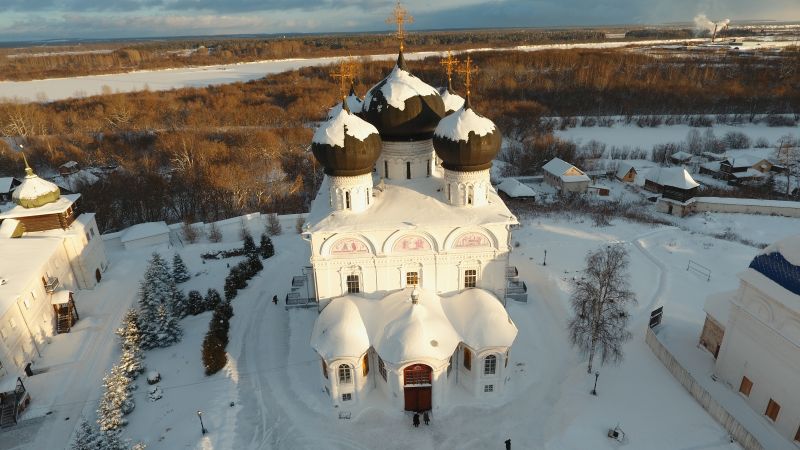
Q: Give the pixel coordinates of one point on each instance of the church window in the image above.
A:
(467, 359)
(746, 386)
(773, 408)
(345, 374)
(469, 195)
(490, 365)
(470, 278)
(365, 365)
(449, 197)
(429, 167)
(382, 368)
(386, 169)
(347, 397)
(368, 196)
(347, 200)
(505, 363)
(324, 369)
(412, 278)
(353, 284)
(408, 170)
(488, 388)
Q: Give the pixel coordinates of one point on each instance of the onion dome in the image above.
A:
(465, 141)
(780, 262)
(34, 191)
(346, 145)
(354, 103)
(403, 107)
(452, 101)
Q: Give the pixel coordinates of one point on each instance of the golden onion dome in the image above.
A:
(34, 192)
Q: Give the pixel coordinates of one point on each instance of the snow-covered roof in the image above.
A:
(60, 297)
(452, 102)
(749, 202)
(144, 230)
(671, 176)
(35, 191)
(681, 156)
(459, 124)
(749, 173)
(353, 103)
(564, 170)
(401, 331)
(73, 181)
(624, 168)
(5, 184)
(410, 204)
(23, 260)
(788, 247)
(62, 204)
(400, 86)
(743, 161)
(332, 131)
(514, 189)
(712, 166)
(8, 228)
(718, 306)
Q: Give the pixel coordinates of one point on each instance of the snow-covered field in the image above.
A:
(270, 397)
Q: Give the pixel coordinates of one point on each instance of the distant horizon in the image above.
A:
(75, 20)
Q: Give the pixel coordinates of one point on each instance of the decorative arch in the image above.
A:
(470, 238)
(413, 241)
(347, 245)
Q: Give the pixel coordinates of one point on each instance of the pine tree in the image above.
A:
(157, 289)
(254, 265)
(179, 307)
(225, 309)
(214, 356)
(167, 328)
(179, 272)
(111, 440)
(230, 288)
(267, 250)
(130, 340)
(273, 225)
(212, 300)
(195, 303)
(249, 245)
(116, 400)
(219, 325)
(86, 438)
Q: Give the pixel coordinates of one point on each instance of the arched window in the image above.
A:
(347, 199)
(467, 359)
(490, 365)
(324, 369)
(365, 365)
(345, 374)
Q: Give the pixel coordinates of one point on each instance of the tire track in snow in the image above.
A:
(663, 271)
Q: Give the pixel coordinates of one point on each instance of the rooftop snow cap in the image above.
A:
(466, 141)
(452, 101)
(402, 107)
(780, 262)
(346, 145)
(354, 103)
(34, 191)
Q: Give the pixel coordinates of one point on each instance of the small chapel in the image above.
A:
(410, 246)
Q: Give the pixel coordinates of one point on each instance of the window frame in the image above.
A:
(382, 368)
(490, 361)
(746, 386)
(467, 359)
(353, 283)
(344, 374)
(488, 388)
(412, 276)
(773, 406)
(365, 365)
(347, 396)
(470, 278)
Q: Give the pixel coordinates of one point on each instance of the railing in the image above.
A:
(517, 290)
(51, 284)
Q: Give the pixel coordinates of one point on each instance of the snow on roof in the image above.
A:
(332, 131)
(400, 86)
(749, 202)
(459, 124)
(671, 176)
(60, 297)
(712, 166)
(681, 156)
(749, 173)
(771, 289)
(8, 227)
(560, 168)
(33, 187)
(23, 260)
(789, 247)
(62, 204)
(405, 204)
(5, 184)
(353, 102)
(401, 331)
(624, 168)
(514, 189)
(144, 230)
(73, 181)
(452, 102)
(718, 306)
(743, 161)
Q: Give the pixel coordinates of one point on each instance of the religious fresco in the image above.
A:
(348, 246)
(471, 240)
(411, 243)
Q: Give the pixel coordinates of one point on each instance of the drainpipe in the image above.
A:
(28, 328)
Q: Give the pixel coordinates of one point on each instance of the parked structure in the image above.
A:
(564, 176)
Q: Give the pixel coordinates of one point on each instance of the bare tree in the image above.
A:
(600, 304)
(788, 154)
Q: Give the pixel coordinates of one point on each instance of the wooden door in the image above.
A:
(418, 399)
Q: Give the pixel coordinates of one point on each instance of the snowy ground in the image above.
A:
(270, 397)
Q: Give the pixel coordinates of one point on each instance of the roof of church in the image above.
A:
(60, 205)
(466, 141)
(410, 204)
(346, 145)
(780, 262)
(676, 177)
(401, 331)
(34, 192)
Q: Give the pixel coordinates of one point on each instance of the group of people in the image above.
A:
(425, 418)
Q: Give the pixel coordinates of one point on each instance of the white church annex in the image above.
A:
(410, 250)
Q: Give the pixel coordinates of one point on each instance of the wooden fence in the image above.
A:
(736, 429)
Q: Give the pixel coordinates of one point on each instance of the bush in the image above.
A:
(190, 233)
(214, 356)
(214, 235)
(212, 300)
(298, 226)
(762, 142)
(195, 303)
(273, 225)
(230, 289)
(249, 246)
(736, 140)
(266, 247)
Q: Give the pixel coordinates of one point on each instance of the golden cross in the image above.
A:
(449, 64)
(400, 17)
(347, 72)
(468, 70)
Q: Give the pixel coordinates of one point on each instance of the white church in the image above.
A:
(410, 249)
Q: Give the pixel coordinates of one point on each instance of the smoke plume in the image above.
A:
(702, 23)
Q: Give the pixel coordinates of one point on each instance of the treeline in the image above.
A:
(207, 51)
(216, 152)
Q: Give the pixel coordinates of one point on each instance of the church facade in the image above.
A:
(410, 250)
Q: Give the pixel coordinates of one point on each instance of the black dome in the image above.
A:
(420, 114)
(346, 145)
(475, 147)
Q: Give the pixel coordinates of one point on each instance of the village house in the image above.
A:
(626, 172)
(565, 177)
(738, 169)
(677, 188)
(754, 334)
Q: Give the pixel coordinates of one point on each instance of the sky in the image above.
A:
(62, 19)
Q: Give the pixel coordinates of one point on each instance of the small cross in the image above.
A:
(468, 70)
(449, 64)
(400, 17)
(346, 73)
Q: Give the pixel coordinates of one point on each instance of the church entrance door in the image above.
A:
(418, 389)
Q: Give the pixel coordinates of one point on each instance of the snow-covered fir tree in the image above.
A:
(116, 400)
(195, 304)
(86, 438)
(167, 329)
(212, 300)
(111, 440)
(158, 289)
(130, 340)
(249, 246)
(179, 272)
(266, 248)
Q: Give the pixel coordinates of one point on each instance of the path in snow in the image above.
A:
(658, 293)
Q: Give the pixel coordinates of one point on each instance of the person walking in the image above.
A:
(416, 420)
(426, 418)
(508, 444)
(274, 299)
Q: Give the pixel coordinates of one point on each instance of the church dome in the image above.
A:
(346, 145)
(465, 141)
(780, 262)
(402, 107)
(34, 191)
(354, 103)
(452, 101)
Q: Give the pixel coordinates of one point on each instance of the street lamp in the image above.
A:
(544, 263)
(594, 390)
(200, 416)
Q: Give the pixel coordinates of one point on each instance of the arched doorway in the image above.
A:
(417, 387)
(97, 275)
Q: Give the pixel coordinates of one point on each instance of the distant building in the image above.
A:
(68, 168)
(742, 168)
(676, 186)
(626, 172)
(564, 176)
(754, 333)
(681, 157)
(514, 189)
(145, 234)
